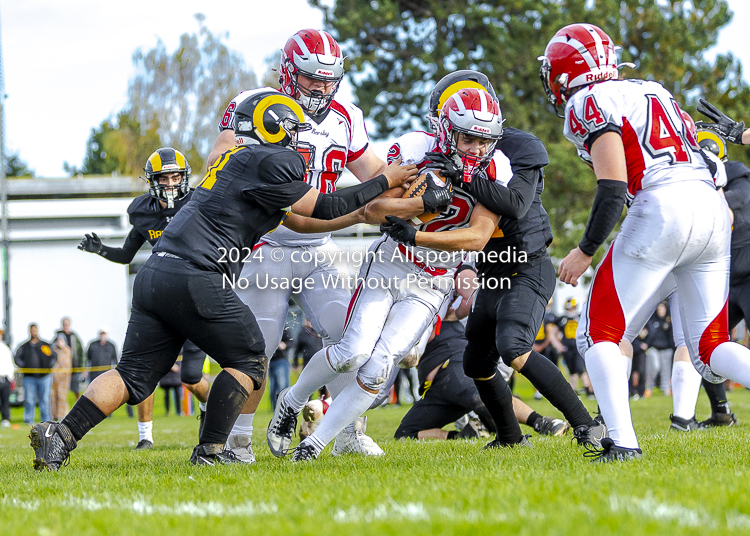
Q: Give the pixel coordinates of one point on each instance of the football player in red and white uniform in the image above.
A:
(312, 67)
(402, 286)
(631, 132)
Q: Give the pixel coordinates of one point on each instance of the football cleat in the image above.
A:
(312, 414)
(590, 435)
(683, 425)
(144, 444)
(282, 426)
(719, 419)
(305, 453)
(609, 452)
(52, 443)
(551, 427)
(468, 432)
(352, 440)
(212, 454)
(242, 447)
(497, 443)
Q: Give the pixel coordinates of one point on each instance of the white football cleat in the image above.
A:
(242, 447)
(352, 440)
(312, 414)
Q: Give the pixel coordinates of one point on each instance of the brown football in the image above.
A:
(417, 189)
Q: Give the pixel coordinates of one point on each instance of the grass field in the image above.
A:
(696, 483)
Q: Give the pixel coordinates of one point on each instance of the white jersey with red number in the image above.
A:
(338, 139)
(659, 147)
(411, 148)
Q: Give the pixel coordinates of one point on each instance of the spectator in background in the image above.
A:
(6, 376)
(660, 352)
(101, 355)
(76, 352)
(36, 355)
(172, 383)
(279, 368)
(308, 342)
(547, 340)
(638, 373)
(60, 378)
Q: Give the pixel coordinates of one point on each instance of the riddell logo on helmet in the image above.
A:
(323, 72)
(483, 130)
(597, 77)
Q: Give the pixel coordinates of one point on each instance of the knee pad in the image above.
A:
(255, 366)
(139, 389)
(191, 371)
(375, 372)
(477, 367)
(403, 433)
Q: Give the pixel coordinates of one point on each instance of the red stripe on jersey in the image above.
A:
(716, 333)
(633, 157)
(352, 156)
(340, 109)
(352, 303)
(256, 246)
(606, 319)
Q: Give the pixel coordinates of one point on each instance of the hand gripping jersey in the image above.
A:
(659, 148)
(338, 136)
(411, 148)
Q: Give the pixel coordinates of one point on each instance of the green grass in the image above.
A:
(696, 483)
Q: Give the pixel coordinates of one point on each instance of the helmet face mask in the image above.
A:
(268, 117)
(475, 113)
(315, 55)
(164, 161)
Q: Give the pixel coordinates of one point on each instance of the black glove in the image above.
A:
(445, 165)
(435, 198)
(91, 243)
(400, 230)
(724, 126)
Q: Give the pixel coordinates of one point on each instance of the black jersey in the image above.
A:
(737, 192)
(449, 344)
(568, 327)
(524, 224)
(243, 196)
(148, 219)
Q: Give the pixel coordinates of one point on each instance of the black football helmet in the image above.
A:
(269, 117)
(167, 160)
(711, 141)
(449, 85)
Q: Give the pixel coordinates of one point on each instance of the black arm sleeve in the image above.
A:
(608, 202)
(512, 202)
(126, 253)
(341, 202)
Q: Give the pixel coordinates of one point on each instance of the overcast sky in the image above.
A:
(67, 64)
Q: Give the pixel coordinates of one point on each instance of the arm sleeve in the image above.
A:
(608, 202)
(512, 202)
(126, 253)
(282, 175)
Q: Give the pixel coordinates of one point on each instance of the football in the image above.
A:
(417, 189)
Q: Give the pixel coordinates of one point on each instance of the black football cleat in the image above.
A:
(52, 443)
(551, 427)
(212, 454)
(679, 424)
(719, 419)
(305, 453)
(590, 435)
(144, 444)
(609, 452)
(498, 444)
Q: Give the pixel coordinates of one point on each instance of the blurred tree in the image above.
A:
(181, 96)
(398, 49)
(15, 167)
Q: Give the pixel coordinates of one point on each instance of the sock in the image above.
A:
(315, 375)
(531, 420)
(452, 434)
(732, 361)
(686, 384)
(352, 402)
(243, 425)
(226, 399)
(548, 379)
(144, 431)
(83, 417)
(717, 396)
(340, 382)
(498, 400)
(607, 369)
(201, 405)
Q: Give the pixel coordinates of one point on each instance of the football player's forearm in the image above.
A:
(302, 224)
(377, 210)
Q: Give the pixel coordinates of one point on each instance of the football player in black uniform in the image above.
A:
(505, 319)
(168, 174)
(185, 287)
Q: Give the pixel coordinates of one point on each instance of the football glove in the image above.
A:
(445, 165)
(435, 198)
(400, 230)
(91, 243)
(724, 126)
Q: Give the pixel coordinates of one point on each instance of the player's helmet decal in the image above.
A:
(167, 160)
(473, 112)
(711, 141)
(314, 54)
(449, 85)
(268, 117)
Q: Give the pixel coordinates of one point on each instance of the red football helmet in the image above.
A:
(577, 55)
(314, 54)
(689, 123)
(473, 112)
